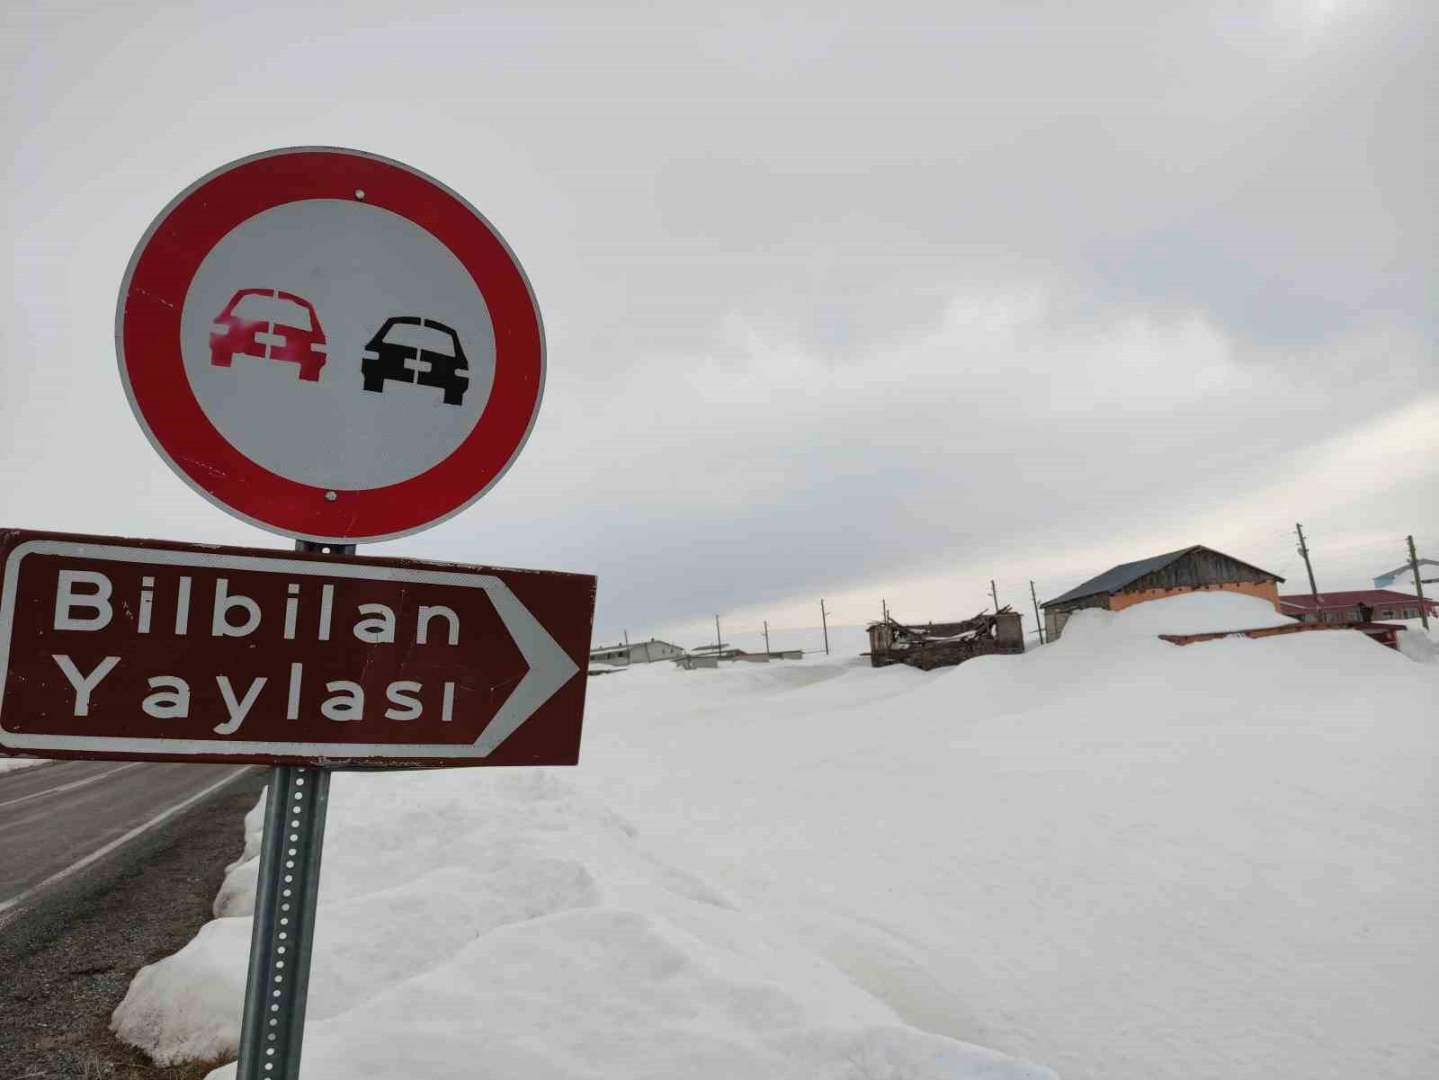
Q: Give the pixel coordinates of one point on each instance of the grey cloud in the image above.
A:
(704, 199)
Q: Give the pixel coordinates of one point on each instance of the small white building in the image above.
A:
(638, 652)
(1405, 574)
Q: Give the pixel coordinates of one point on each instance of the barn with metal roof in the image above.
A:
(1192, 569)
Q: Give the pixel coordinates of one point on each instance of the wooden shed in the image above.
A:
(944, 644)
(1192, 569)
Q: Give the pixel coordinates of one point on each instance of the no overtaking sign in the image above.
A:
(330, 345)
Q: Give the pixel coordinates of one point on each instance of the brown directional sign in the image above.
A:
(114, 648)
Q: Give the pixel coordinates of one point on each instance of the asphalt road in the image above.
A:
(104, 867)
(58, 820)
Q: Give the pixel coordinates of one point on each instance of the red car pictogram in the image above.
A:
(268, 324)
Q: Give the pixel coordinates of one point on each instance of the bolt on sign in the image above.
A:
(135, 649)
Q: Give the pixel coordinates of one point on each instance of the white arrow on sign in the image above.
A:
(550, 668)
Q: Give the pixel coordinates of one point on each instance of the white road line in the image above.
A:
(70, 786)
(163, 815)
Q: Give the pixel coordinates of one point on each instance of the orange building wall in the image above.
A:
(1267, 590)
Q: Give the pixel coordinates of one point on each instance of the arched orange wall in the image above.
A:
(1266, 590)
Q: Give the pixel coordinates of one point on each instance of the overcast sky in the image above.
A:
(882, 302)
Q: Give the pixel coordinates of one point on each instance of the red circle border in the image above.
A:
(152, 366)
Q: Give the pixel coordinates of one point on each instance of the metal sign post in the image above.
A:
(273, 1025)
(287, 891)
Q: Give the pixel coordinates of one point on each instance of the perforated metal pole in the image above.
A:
(273, 1025)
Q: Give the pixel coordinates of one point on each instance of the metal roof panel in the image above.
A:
(1117, 577)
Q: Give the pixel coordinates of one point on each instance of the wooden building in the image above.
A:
(1363, 606)
(1192, 569)
(935, 645)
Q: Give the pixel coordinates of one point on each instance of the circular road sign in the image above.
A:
(330, 345)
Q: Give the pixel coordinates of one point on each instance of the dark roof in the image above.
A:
(1118, 577)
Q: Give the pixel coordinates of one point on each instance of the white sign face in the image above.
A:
(321, 279)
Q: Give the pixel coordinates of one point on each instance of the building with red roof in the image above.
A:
(1346, 606)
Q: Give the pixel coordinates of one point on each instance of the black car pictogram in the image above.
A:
(402, 352)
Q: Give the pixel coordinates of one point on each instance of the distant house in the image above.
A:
(639, 652)
(1345, 606)
(1192, 569)
(1406, 572)
(691, 661)
(709, 656)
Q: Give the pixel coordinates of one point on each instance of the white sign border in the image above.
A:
(550, 667)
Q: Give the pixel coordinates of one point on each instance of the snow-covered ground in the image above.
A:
(1416, 642)
(10, 764)
(1114, 856)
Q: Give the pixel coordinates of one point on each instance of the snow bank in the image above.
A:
(1118, 856)
(1413, 642)
(1127, 859)
(500, 923)
(1418, 646)
(10, 764)
(1189, 613)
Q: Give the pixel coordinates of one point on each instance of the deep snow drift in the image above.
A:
(504, 925)
(1119, 857)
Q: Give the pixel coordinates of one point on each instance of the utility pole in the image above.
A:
(824, 622)
(1038, 622)
(994, 593)
(1304, 551)
(628, 658)
(1418, 584)
(718, 643)
(884, 610)
(766, 637)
